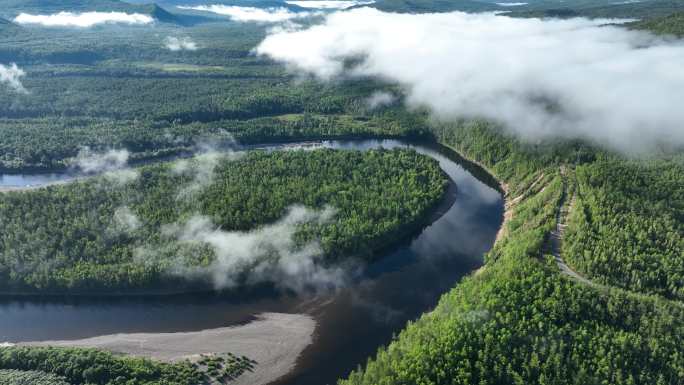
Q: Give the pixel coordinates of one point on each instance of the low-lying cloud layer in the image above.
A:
(329, 4)
(11, 75)
(180, 44)
(267, 254)
(251, 14)
(510, 4)
(539, 78)
(83, 20)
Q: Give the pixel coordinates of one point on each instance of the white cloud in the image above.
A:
(201, 168)
(331, 4)
(267, 254)
(11, 76)
(247, 14)
(179, 44)
(125, 220)
(83, 20)
(539, 78)
(380, 99)
(510, 4)
(113, 164)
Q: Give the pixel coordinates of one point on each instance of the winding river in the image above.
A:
(351, 323)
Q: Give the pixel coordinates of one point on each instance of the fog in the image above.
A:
(332, 4)
(11, 75)
(83, 20)
(380, 99)
(201, 169)
(540, 79)
(269, 253)
(250, 14)
(112, 164)
(180, 44)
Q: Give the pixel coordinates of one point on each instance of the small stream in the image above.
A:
(352, 322)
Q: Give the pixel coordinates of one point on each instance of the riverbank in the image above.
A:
(355, 310)
(274, 341)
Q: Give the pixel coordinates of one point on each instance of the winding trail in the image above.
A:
(555, 241)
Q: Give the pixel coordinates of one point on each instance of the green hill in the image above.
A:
(668, 25)
(641, 10)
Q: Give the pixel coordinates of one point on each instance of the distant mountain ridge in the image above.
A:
(11, 8)
(7, 26)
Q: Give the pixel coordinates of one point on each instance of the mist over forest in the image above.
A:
(341, 191)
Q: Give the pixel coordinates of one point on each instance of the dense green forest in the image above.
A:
(668, 25)
(627, 225)
(86, 234)
(29, 377)
(132, 92)
(75, 366)
(520, 321)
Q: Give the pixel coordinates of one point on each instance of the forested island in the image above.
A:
(108, 233)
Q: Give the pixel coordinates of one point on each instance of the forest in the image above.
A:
(74, 366)
(520, 320)
(627, 225)
(88, 234)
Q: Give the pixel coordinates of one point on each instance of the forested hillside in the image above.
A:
(520, 321)
(627, 225)
(668, 25)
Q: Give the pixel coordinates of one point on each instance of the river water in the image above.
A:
(351, 323)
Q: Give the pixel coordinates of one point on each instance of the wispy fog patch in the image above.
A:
(91, 162)
(540, 79)
(113, 164)
(251, 14)
(267, 254)
(380, 99)
(180, 44)
(201, 169)
(331, 4)
(125, 220)
(83, 20)
(11, 75)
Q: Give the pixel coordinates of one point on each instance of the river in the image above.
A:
(351, 323)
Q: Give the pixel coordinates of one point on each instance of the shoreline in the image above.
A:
(274, 340)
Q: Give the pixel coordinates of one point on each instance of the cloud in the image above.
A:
(510, 4)
(179, 44)
(83, 20)
(540, 79)
(247, 14)
(201, 168)
(380, 99)
(332, 4)
(267, 254)
(113, 164)
(125, 220)
(11, 76)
